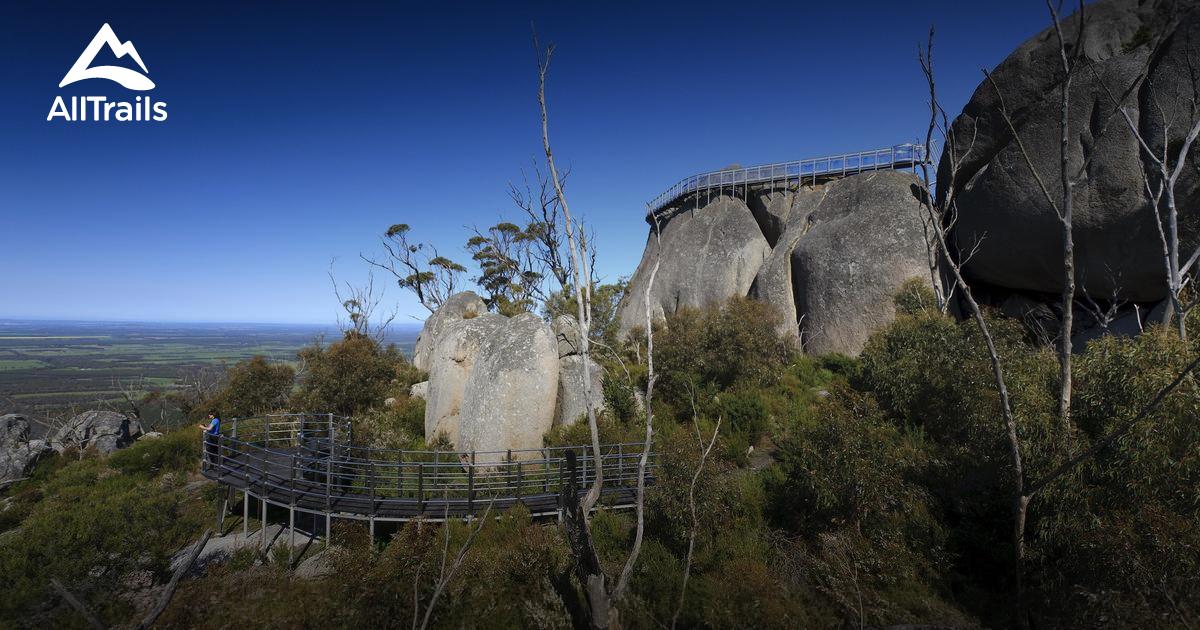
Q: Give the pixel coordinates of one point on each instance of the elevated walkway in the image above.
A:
(307, 464)
(813, 170)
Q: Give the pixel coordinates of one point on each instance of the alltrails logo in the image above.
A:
(99, 108)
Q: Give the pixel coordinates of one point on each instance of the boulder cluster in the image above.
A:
(829, 257)
(103, 431)
(499, 383)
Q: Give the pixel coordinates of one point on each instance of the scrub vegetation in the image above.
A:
(841, 492)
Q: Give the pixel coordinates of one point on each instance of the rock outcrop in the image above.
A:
(460, 306)
(1001, 208)
(18, 453)
(866, 240)
(498, 383)
(105, 431)
(710, 248)
(829, 257)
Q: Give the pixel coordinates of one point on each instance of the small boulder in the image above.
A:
(567, 335)
(419, 390)
(456, 308)
(106, 431)
(572, 402)
(389, 402)
(18, 453)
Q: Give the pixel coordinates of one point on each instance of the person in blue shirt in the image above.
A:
(211, 430)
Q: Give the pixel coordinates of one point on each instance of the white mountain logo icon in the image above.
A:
(131, 79)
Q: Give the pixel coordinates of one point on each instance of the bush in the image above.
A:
(719, 348)
(254, 386)
(177, 451)
(349, 376)
(92, 527)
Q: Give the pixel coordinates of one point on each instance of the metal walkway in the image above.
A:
(813, 170)
(306, 463)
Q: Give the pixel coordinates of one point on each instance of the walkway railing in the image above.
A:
(813, 169)
(307, 463)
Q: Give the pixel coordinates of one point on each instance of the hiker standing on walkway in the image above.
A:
(211, 430)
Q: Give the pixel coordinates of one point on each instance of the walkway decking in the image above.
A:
(306, 464)
(814, 170)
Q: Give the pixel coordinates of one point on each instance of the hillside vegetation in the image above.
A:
(841, 493)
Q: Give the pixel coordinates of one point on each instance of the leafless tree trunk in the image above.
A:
(704, 452)
(936, 214)
(1160, 181)
(165, 599)
(1066, 219)
(582, 288)
(361, 304)
(602, 612)
(445, 575)
(627, 571)
(75, 603)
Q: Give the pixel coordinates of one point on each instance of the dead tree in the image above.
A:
(937, 212)
(446, 574)
(361, 303)
(644, 459)
(1160, 178)
(600, 607)
(704, 452)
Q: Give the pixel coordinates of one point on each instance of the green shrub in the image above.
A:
(177, 451)
(349, 376)
(717, 348)
(254, 386)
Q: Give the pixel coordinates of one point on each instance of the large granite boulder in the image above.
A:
(105, 431)
(450, 364)
(865, 241)
(792, 211)
(18, 453)
(460, 306)
(711, 249)
(509, 396)
(1003, 214)
(838, 253)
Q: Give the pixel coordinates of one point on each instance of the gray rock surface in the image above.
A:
(509, 396)
(105, 431)
(572, 402)
(840, 252)
(567, 335)
(460, 306)
(710, 252)
(419, 390)
(865, 242)
(1001, 206)
(450, 364)
(18, 453)
(774, 284)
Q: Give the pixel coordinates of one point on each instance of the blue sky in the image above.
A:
(298, 132)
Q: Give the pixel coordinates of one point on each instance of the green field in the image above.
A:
(48, 366)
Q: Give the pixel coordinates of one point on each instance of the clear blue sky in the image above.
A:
(297, 132)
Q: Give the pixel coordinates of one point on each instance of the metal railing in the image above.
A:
(814, 169)
(307, 463)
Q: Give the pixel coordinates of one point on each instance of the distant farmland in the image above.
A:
(48, 365)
